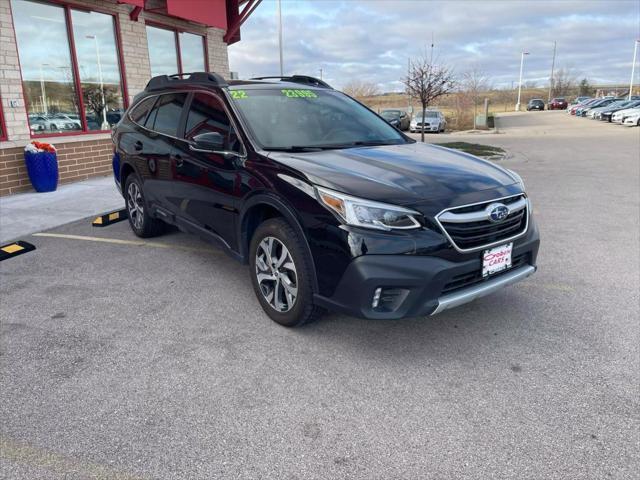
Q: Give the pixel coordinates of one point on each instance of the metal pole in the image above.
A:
(520, 82)
(633, 66)
(105, 123)
(553, 64)
(280, 37)
(42, 90)
(320, 74)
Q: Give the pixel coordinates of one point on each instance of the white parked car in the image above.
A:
(595, 112)
(620, 115)
(632, 120)
(433, 121)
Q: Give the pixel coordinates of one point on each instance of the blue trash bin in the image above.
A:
(42, 168)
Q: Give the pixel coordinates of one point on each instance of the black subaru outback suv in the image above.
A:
(330, 206)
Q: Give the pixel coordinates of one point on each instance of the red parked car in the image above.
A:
(557, 104)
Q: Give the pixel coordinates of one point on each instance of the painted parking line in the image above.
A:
(58, 464)
(14, 249)
(130, 243)
(110, 218)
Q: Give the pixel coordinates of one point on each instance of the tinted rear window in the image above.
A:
(165, 116)
(139, 113)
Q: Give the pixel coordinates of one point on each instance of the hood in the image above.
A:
(399, 174)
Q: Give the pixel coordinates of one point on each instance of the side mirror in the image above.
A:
(208, 142)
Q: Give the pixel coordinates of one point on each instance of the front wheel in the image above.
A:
(281, 274)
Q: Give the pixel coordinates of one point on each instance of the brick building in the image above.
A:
(69, 69)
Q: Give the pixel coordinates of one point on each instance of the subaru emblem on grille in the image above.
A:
(497, 212)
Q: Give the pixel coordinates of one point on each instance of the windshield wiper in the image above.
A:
(296, 148)
(337, 146)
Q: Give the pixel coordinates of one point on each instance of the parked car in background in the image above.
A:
(397, 118)
(578, 100)
(67, 121)
(52, 123)
(585, 104)
(599, 102)
(559, 103)
(632, 120)
(597, 113)
(433, 121)
(607, 115)
(535, 104)
(621, 115)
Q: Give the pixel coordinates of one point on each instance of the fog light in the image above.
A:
(388, 299)
(376, 297)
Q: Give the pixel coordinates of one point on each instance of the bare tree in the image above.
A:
(361, 89)
(585, 88)
(563, 82)
(475, 82)
(427, 81)
(530, 84)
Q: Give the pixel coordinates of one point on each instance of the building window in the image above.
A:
(98, 59)
(191, 52)
(171, 51)
(68, 90)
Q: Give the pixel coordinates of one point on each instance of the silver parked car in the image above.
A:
(433, 121)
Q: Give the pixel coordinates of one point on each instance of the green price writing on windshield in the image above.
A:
(295, 93)
(238, 94)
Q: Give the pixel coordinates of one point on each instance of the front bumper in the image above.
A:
(415, 283)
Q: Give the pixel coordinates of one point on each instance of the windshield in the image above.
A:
(390, 114)
(292, 119)
(427, 114)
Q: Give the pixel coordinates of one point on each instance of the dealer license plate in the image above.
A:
(496, 259)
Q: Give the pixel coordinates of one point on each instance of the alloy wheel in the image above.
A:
(276, 274)
(135, 205)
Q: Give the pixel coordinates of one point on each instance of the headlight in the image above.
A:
(365, 213)
(518, 179)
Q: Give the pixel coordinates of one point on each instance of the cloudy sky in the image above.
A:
(372, 39)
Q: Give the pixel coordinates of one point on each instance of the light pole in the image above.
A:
(553, 64)
(280, 37)
(105, 123)
(43, 92)
(633, 66)
(520, 82)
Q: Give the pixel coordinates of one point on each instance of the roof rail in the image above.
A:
(303, 79)
(200, 78)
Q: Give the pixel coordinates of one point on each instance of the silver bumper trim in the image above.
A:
(476, 291)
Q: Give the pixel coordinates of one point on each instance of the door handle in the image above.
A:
(138, 145)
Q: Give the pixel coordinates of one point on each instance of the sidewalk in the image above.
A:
(26, 213)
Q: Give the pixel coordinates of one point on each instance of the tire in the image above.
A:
(290, 268)
(142, 224)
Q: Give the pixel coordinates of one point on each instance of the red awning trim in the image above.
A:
(135, 13)
(212, 13)
(233, 29)
(135, 3)
(223, 14)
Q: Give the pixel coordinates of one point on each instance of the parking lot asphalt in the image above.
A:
(129, 359)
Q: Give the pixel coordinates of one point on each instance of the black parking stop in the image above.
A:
(14, 249)
(110, 218)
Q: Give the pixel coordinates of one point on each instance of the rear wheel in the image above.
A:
(142, 224)
(281, 274)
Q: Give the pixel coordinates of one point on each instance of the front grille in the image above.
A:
(479, 232)
(468, 279)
